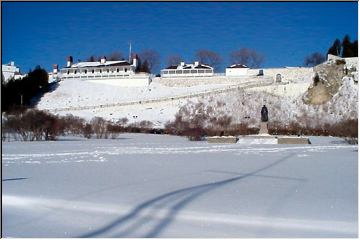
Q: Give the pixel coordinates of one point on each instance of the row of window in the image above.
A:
(98, 76)
(92, 71)
(186, 71)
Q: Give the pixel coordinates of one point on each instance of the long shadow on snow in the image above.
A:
(185, 195)
(13, 179)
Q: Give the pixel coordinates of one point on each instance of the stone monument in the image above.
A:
(264, 119)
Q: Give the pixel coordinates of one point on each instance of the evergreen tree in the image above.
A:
(335, 49)
(355, 48)
(23, 91)
(347, 48)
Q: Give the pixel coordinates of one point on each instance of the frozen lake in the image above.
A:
(166, 186)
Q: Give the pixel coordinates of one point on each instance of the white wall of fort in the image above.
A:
(137, 80)
(287, 90)
(288, 74)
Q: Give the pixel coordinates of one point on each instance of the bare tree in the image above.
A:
(314, 59)
(247, 57)
(174, 60)
(257, 59)
(92, 58)
(114, 56)
(99, 127)
(152, 58)
(209, 57)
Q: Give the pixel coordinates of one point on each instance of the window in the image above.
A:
(125, 69)
(68, 72)
(201, 71)
(186, 71)
(208, 71)
(107, 70)
(172, 72)
(85, 71)
(100, 70)
(92, 71)
(178, 71)
(193, 71)
(117, 70)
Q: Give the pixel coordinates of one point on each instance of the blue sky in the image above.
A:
(42, 34)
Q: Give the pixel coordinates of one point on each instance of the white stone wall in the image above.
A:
(231, 72)
(140, 80)
(288, 74)
(194, 81)
(289, 90)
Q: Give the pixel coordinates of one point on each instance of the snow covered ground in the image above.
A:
(75, 93)
(166, 186)
(87, 99)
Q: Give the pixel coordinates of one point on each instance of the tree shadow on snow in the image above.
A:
(172, 203)
(36, 99)
(13, 179)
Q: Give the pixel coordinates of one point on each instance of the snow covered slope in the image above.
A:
(242, 100)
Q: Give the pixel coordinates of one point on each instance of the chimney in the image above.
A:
(12, 63)
(182, 64)
(135, 60)
(69, 61)
(103, 60)
(196, 63)
(55, 68)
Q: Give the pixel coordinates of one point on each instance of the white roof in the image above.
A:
(189, 66)
(238, 66)
(96, 64)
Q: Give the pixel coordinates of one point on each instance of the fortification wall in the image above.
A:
(287, 90)
(288, 74)
(194, 81)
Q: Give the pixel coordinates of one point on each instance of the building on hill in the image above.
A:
(236, 70)
(9, 71)
(188, 70)
(120, 73)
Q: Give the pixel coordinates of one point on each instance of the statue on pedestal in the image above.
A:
(264, 120)
(264, 114)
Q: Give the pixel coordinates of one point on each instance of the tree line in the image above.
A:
(36, 125)
(149, 59)
(345, 48)
(24, 91)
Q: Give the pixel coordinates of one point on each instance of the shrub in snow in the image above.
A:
(32, 125)
(99, 126)
(87, 131)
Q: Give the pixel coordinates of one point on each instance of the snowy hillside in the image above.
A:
(157, 103)
(243, 106)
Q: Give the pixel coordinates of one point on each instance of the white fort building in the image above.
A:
(10, 71)
(188, 70)
(120, 73)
